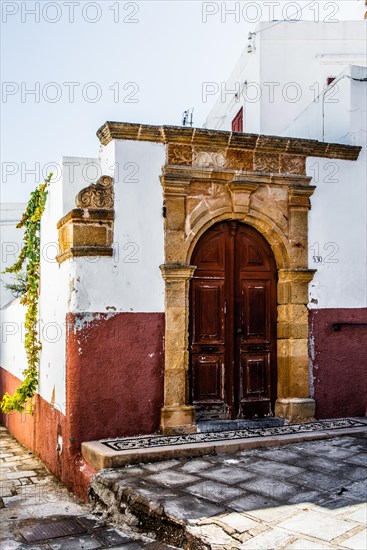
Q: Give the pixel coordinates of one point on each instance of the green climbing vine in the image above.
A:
(29, 259)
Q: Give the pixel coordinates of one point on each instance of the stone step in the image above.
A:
(114, 453)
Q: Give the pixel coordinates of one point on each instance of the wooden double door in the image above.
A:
(232, 331)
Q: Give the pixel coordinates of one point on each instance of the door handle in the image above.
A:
(239, 331)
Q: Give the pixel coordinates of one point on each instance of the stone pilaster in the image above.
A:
(177, 416)
(293, 377)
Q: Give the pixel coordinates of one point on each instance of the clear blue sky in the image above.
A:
(162, 59)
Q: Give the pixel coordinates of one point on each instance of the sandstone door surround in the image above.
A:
(210, 176)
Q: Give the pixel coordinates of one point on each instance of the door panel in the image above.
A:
(208, 379)
(233, 324)
(208, 306)
(255, 311)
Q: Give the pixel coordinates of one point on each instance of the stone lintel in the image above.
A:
(228, 140)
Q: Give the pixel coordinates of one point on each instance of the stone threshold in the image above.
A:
(114, 453)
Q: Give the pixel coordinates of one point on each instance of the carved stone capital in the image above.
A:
(299, 197)
(173, 273)
(296, 275)
(96, 196)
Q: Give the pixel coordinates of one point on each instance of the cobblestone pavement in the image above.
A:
(32, 502)
(308, 495)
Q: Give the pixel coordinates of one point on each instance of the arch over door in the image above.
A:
(232, 335)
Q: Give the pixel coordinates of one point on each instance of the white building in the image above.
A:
(284, 67)
(209, 273)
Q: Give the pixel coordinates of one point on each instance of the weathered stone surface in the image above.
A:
(287, 503)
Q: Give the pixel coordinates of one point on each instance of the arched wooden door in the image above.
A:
(232, 334)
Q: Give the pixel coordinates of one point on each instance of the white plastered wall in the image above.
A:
(131, 280)
(338, 218)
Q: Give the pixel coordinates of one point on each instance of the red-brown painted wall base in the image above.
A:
(339, 362)
(40, 431)
(114, 387)
(114, 379)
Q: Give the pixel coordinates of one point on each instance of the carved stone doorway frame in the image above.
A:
(210, 176)
(195, 198)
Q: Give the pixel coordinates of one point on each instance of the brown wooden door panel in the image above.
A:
(208, 310)
(208, 377)
(233, 324)
(255, 311)
(255, 374)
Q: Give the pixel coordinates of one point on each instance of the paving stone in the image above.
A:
(252, 502)
(314, 524)
(228, 474)
(357, 541)
(191, 508)
(360, 458)
(336, 505)
(214, 491)
(239, 522)
(86, 542)
(358, 514)
(113, 537)
(308, 497)
(323, 448)
(357, 490)
(159, 466)
(304, 544)
(274, 513)
(193, 466)
(320, 481)
(273, 538)
(154, 492)
(170, 477)
(272, 488)
(20, 474)
(275, 469)
(212, 534)
(279, 454)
